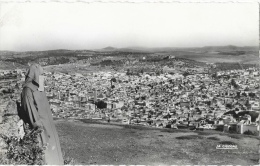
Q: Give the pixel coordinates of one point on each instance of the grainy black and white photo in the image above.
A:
(124, 83)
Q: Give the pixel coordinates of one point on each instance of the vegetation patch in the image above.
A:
(237, 136)
(117, 146)
(204, 133)
(189, 137)
(25, 151)
(213, 138)
(248, 132)
(240, 136)
(69, 161)
(227, 143)
(175, 130)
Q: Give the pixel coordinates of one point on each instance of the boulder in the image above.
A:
(3, 144)
(21, 132)
(4, 129)
(11, 108)
(11, 119)
(10, 122)
(12, 126)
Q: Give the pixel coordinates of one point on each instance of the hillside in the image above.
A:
(229, 48)
(90, 143)
(209, 54)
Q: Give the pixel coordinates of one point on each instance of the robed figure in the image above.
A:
(36, 112)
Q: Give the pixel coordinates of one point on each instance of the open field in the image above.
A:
(68, 68)
(90, 143)
(4, 65)
(247, 58)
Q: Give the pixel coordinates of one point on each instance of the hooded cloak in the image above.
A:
(36, 112)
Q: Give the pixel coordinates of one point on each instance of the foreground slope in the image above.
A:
(110, 144)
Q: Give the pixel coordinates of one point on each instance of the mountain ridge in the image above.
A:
(144, 49)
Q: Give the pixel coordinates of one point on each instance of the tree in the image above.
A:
(246, 89)
(244, 94)
(229, 105)
(247, 104)
(185, 74)
(157, 72)
(238, 95)
(252, 95)
(233, 83)
(128, 72)
(101, 104)
(248, 132)
(142, 71)
(111, 81)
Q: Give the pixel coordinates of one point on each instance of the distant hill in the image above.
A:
(11, 65)
(229, 48)
(211, 54)
(109, 48)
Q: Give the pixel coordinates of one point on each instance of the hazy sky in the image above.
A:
(45, 26)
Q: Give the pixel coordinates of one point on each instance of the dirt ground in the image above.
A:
(112, 144)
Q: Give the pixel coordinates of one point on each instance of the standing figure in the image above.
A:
(36, 112)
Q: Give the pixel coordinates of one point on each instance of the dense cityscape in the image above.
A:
(225, 100)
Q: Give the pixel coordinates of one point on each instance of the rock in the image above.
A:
(1, 115)
(11, 119)
(4, 128)
(3, 144)
(11, 108)
(1, 119)
(21, 132)
(12, 126)
(3, 150)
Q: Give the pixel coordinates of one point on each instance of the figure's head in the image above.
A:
(34, 72)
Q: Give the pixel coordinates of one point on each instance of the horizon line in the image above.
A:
(130, 47)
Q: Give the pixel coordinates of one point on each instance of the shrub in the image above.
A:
(248, 132)
(189, 137)
(68, 160)
(26, 150)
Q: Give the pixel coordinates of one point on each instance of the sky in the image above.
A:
(49, 26)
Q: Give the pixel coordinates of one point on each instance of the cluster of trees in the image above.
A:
(111, 63)
(232, 66)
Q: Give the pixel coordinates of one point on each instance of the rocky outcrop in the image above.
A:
(10, 125)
